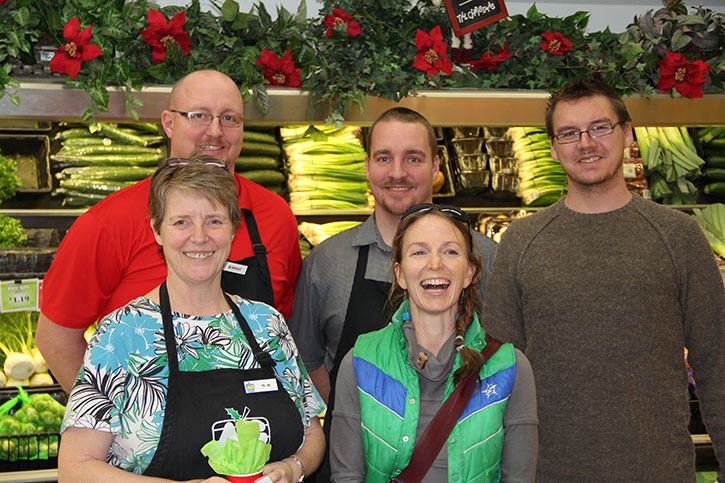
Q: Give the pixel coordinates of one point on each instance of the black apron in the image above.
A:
(367, 310)
(249, 278)
(197, 405)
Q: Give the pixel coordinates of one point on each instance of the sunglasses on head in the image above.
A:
(178, 162)
(450, 211)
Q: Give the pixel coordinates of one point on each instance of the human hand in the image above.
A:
(214, 479)
(280, 472)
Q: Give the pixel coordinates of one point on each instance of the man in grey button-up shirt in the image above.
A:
(401, 164)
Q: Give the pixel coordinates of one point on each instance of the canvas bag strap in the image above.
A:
(430, 444)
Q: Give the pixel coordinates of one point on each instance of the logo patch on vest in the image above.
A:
(490, 390)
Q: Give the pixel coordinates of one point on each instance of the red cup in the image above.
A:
(244, 478)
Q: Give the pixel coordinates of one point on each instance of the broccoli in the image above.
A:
(11, 232)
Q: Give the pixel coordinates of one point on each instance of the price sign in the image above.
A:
(469, 15)
(16, 295)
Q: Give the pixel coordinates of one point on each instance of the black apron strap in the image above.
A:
(262, 357)
(367, 310)
(260, 251)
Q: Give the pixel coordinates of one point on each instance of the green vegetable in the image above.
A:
(264, 177)
(100, 187)
(712, 221)
(108, 160)
(112, 131)
(110, 173)
(260, 149)
(11, 233)
(247, 163)
(716, 189)
(100, 149)
(259, 137)
(9, 181)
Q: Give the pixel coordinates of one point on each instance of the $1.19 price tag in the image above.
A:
(18, 295)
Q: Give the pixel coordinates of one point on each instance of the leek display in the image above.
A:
(542, 180)
(712, 221)
(326, 167)
(712, 140)
(672, 163)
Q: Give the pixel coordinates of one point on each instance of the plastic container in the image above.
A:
(474, 179)
(32, 156)
(24, 452)
(500, 148)
(472, 162)
(467, 146)
(462, 132)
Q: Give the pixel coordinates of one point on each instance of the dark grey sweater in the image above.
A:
(602, 305)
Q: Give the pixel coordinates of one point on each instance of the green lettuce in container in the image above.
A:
(241, 456)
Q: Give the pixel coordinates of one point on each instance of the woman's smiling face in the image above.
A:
(434, 266)
(196, 236)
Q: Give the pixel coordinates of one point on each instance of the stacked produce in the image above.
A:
(542, 180)
(672, 163)
(29, 427)
(312, 234)
(259, 160)
(326, 167)
(21, 360)
(712, 221)
(712, 140)
(98, 159)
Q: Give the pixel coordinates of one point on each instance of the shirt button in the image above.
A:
(454, 477)
(405, 439)
(453, 440)
(412, 401)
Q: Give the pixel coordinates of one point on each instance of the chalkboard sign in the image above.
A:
(469, 15)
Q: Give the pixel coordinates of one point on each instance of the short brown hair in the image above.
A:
(582, 88)
(203, 176)
(403, 114)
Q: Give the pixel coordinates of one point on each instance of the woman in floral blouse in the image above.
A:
(169, 371)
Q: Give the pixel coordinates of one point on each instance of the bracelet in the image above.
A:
(294, 458)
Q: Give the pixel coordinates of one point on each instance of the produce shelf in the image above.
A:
(46, 100)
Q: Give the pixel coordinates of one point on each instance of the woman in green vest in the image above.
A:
(394, 381)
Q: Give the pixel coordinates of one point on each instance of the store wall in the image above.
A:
(616, 14)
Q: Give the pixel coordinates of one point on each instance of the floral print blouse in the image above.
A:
(122, 385)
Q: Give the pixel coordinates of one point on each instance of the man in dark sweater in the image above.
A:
(602, 291)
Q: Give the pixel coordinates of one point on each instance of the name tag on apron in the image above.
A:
(235, 268)
(260, 385)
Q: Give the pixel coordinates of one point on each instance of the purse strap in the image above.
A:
(430, 444)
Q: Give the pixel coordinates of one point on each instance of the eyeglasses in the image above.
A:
(598, 131)
(450, 211)
(179, 162)
(201, 118)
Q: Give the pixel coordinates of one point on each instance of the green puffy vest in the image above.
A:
(389, 406)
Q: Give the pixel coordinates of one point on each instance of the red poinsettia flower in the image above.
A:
(490, 61)
(676, 73)
(431, 57)
(338, 19)
(279, 72)
(68, 57)
(555, 43)
(160, 34)
(3, 1)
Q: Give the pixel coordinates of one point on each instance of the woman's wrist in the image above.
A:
(296, 463)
